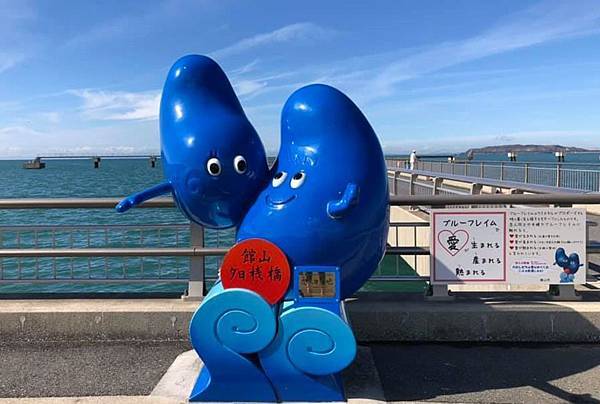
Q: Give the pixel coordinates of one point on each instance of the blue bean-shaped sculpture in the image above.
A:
(228, 325)
(324, 203)
(327, 203)
(213, 159)
(312, 345)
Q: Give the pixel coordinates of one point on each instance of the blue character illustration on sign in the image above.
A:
(570, 265)
(323, 206)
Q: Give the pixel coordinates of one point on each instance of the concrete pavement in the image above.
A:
(507, 373)
(449, 373)
(84, 369)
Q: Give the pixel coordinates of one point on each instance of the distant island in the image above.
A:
(550, 148)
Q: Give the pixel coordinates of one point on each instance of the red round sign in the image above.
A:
(258, 265)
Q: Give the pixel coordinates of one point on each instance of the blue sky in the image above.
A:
(438, 76)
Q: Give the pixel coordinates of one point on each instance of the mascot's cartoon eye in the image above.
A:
(213, 166)
(298, 180)
(279, 178)
(240, 165)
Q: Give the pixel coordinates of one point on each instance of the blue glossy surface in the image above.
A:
(311, 346)
(335, 213)
(202, 127)
(324, 203)
(227, 325)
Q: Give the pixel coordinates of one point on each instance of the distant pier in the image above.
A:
(39, 163)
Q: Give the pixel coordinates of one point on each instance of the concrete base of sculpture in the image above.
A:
(361, 380)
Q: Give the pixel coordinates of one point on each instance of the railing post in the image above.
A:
(526, 179)
(439, 292)
(563, 292)
(196, 290)
(395, 184)
(481, 170)
(437, 181)
(502, 171)
(558, 176)
(476, 189)
(411, 184)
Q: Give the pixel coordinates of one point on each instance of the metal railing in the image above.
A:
(131, 254)
(82, 254)
(571, 176)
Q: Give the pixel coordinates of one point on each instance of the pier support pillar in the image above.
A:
(196, 287)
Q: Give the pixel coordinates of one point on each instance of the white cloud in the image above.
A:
(375, 76)
(16, 41)
(16, 140)
(247, 87)
(9, 60)
(295, 32)
(119, 105)
(140, 22)
(135, 137)
(545, 22)
(52, 117)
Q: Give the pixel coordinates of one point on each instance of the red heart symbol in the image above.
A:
(453, 242)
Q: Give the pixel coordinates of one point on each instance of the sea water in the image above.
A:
(81, 228)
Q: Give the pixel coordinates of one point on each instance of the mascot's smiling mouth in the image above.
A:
(279, 203)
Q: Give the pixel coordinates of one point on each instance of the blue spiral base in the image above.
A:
(304, 360)
(228, 328)
(249, 357)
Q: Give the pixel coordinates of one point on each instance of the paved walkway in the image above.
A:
(489, 373)
(126, 372)
(84, 369)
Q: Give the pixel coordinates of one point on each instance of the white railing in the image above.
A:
(577, 177)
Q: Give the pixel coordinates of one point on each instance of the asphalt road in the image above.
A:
(84, 369)
(468, 373)
(535, 373)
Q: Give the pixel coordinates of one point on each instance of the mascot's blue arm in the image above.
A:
(136, 199)
(339, 208)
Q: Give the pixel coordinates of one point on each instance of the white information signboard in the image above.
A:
(508, 245)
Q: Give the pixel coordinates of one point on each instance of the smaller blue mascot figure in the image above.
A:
(213, 159)
(310, 232)
(570, 265)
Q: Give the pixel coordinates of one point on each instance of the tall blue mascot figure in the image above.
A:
(323, 207)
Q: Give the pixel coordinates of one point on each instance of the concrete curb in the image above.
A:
(95, 320)
(374, 318)
(391, 320)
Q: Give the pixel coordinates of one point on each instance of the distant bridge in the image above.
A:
(38, 162)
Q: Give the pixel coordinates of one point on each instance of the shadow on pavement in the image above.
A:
(473, 372)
